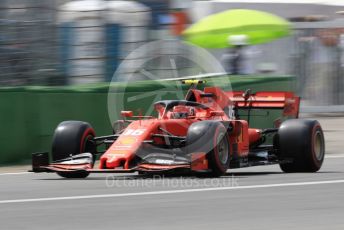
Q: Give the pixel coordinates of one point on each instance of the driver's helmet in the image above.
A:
(180, 111)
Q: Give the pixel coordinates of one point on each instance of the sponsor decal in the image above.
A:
(164, 162)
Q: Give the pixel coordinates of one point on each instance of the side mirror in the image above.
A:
(247, 94)
(126, 113)
(217, 113)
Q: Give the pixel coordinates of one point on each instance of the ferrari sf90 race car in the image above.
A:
(202, 134)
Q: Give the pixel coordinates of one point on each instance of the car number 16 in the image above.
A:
(133, 132)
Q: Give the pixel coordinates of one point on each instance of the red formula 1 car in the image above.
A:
(203, 133)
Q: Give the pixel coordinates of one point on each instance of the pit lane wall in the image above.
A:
(29, 115)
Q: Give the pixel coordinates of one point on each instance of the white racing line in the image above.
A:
(334, 156)
(14, 173)
(171, 192)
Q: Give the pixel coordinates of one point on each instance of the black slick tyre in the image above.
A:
(210, 137)
(301, 145)
(72, 138)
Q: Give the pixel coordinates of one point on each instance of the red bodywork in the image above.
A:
(122, 152)
(212, 103)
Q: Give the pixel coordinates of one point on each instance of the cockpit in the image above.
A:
(178, 109)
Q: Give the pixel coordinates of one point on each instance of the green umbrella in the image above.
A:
(258, 27)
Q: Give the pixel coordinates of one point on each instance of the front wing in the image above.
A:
(84, 162)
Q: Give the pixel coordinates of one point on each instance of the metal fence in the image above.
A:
(34, 40)
(28, 44)
(319, 64)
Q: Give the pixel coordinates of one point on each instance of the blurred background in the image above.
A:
(61, 42)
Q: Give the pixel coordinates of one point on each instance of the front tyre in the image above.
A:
(219, 157)
(302, 143)
(72, 138)
(211, 138)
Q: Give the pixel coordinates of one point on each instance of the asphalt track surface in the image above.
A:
(250, 198)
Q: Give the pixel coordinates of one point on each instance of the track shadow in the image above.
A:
(165, 176)
(253, 173)
(178, 176)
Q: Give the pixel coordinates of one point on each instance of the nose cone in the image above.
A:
(124, 149)
(111, 161)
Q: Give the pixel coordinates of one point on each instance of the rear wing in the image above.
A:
(281, 100)
(286, 101)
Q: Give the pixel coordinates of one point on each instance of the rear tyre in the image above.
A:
(210, 137)
(302, 143)
(72, 138)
